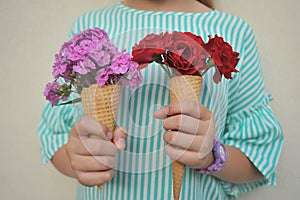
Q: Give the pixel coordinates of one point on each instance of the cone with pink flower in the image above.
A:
(91, 66)
(101, 103)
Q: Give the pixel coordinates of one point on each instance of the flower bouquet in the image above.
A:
(90, 65)
(185, 58)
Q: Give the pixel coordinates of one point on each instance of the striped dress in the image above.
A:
(241, 108)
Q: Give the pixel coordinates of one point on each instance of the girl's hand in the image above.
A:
(191, 133)
(91, 152)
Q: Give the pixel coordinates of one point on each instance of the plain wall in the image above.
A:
(33, 30)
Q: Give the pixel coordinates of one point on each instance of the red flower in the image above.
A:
(145, 52)
(185, 54)
(224, 57)
(195, 37)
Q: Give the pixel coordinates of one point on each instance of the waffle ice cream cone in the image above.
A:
(182, 88)
(102, 104)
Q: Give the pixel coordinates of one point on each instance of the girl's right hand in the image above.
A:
(91, 150)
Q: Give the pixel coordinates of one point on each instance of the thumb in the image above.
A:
(120, 137)
(161, 113)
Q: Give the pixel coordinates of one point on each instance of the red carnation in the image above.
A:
(195, 37)
(185, 54)
(145, 52)
(223, 56)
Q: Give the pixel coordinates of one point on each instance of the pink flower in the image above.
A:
(102, 76)
(133, 66)
(88, 58)
(51, 93)
(59, 66)
(74, 55)
(102, 58)
(120, 64)
(135, 80)
(134, 77)
(81, 68)
(89, 64)
(59, 69)
(84, 47)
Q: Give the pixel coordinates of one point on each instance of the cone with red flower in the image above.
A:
(182, 88)
(185, 58)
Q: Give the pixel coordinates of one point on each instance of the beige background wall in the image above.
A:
(33, 30)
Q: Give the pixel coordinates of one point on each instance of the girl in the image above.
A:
(137, 163)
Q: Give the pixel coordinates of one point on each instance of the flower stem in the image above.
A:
(210, 64)
(75, 91)
(70, 102)
(166, 69)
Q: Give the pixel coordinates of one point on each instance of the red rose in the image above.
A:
(185, 53)
(195, 37)
(223, 56)
(144, 52)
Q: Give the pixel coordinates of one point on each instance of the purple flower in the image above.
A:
(51, 93)
(69, 74)
(81, 50)
(86, 45)
(111, 48)
(74, 55)
(133, 66)
(101, 57)
(134, 77)
(120, 64)
(64, 47)
(99, 33)
(103, 76)
(87, 58)
(88, 63)
(58, 58)
(81, 68)
(59, 69)
(135, 80)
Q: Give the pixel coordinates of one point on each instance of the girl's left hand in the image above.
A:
(190, 138)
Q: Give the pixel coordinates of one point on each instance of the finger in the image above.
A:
(120, 137)
(87, 126)
(184, 141)
(191, 108)
(95, 178)
(187, 124)
(161, 113)
(96, 147)
(92, 163)
(183, 156)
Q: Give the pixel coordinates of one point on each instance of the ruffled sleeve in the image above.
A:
(251, 125)
(54, 129)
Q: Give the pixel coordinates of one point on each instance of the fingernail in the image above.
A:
(110, 135)
(121, 143)
(166, 110)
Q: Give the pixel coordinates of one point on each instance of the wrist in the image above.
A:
(209, 160)
(216, 158)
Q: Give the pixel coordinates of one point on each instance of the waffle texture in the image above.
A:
(182, 88)
(102, 104)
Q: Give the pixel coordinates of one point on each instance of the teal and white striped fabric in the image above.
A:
(243, 116)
